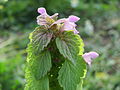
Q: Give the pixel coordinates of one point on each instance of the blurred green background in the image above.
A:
(99, 27)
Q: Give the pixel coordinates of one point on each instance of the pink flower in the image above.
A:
(44, 19)
(69, 26)
(73, 18)
(89, 56)
(42, 10)
(68, 23)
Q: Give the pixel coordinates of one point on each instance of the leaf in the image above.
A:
(70, 45)
(70, 75)
(33, 84)
(38, 60)
(40, 38)
(82, 71)
(67, 76)
(79, 86)
(41, 64)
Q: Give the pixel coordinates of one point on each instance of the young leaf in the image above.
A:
(38, 60)
(82, 71)
(40, 38)
(68, 78)
(70, 75)
(40, 64)
(70, 45)
(33, 84)
(79, 86)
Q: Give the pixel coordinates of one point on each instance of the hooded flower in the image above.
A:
(89, 56)
(73, 18)
(44, 19)
(68, 23)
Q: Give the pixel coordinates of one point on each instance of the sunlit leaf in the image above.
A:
(41, 64)
(70, 45)
(33, 84)
(40, 38)
(71, 75)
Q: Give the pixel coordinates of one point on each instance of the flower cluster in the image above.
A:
(64, 24)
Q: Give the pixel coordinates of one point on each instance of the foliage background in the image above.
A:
(99, 27)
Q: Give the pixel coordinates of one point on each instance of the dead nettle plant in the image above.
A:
(55, 59)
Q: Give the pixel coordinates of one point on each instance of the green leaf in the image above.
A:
(70, 75)
(81, 65)
(79, 86)
(33, 84)
(40, 38)
(38, 60)
(68, 78)
(40, 64)
(70, 45)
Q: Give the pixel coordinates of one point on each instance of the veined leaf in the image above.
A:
(70, 45)
(70, 75)
(79, 86)
(33, 84)
(41, 64)
(68, 78)
(40, 38)
(82, 71)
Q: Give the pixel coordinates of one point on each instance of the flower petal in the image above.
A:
(60, 21)
(41, 10)
(89, 56)
(76, 31)
(93, 54)
(54, 15)
(73, 18)
(69, 26)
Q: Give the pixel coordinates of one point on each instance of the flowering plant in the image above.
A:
(55, 54)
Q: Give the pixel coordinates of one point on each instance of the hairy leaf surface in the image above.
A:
(40, 38)
(41, 64)
(33, 84)
(70, 45)
(70, 75)
(38, 60)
